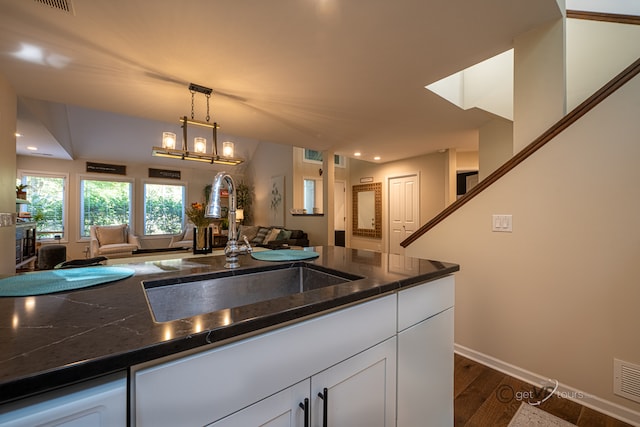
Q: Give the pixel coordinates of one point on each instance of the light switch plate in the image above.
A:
(502, 223)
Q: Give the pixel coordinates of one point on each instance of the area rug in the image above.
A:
(530, 416)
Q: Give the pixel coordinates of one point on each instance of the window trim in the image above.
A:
(110, 178)
(185, 191)
(20, 173)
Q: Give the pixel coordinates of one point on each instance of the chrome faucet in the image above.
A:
(214, 210)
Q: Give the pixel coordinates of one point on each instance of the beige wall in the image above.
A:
(8, 111)
(539, 82)
(195, 180)
(558, 296)
(495, 145)
(602, 48)
(271, 160)
(432, 169)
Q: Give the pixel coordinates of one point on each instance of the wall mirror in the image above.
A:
(367, 210)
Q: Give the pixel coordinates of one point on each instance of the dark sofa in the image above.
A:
(273, 237)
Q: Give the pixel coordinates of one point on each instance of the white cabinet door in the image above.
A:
(360, 391)
(280, 410)
(98, 403)
(425, 373)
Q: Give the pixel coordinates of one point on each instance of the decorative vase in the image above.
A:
(202, 240)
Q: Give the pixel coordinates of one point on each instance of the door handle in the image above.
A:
(305, 408)
(325, 405)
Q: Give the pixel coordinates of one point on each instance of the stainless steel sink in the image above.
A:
(181, 297)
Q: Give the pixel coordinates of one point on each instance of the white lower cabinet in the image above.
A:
(359, 391)
(95, 403)
(280, 410)
(425, 355)
(382, 363)
(208, 386)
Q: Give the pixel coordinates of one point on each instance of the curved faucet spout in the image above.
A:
(214, 210)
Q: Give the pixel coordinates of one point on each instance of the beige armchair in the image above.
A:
(184, 239)
(112, 241)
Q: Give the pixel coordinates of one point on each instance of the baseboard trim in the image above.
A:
(601, 405)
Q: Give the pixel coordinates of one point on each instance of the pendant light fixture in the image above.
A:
(199, 151)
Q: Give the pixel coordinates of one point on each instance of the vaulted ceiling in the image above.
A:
(346, 75)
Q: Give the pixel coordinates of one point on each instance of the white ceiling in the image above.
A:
(347, 75)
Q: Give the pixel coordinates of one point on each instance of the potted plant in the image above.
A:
(243, 198)
(20, 193)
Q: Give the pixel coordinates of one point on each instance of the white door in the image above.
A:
(280, 410)
(404, 210)
(360, 391)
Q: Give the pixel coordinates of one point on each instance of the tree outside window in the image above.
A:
(163, 208)
(47, 203)
(104, 203)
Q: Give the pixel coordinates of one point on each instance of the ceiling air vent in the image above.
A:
(626, 380)
(63, 5)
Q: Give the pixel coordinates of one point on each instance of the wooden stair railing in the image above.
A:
(604, 17)
(613, 85)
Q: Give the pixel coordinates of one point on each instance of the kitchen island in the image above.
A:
(57, 340)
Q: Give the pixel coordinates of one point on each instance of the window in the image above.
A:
(313, 156)
(163, 208)
(47, 196)
(313, 195)
(104, 203)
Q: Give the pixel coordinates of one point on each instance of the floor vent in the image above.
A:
(626, 380)
(63, 5)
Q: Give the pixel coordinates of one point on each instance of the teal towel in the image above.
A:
(50, 281)
(284, 255)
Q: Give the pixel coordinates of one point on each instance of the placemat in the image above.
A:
(284, 255)
(50, 281)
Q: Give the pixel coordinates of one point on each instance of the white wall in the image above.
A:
(8, 109)
(558, 296)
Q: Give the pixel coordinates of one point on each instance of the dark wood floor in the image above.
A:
(485, 397)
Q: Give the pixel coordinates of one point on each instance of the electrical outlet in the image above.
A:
(502, 223)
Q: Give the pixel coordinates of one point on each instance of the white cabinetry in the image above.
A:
(359, 391)
(96, 403)
(425, 355)
(280, 410)
(388, 358)
(210, 385)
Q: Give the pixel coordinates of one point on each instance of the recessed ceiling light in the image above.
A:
(357, 154)
(32, 148)
(376, 158)
(18, 135)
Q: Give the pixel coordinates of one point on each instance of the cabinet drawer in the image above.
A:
(204, 387)
(423, 301)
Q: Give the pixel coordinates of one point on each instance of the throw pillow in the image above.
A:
(273, 233)
(260, 235)
(248, 230)
(188, 233)
(110, 235)
(284, 235)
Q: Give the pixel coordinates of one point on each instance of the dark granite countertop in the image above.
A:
(54, 340)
